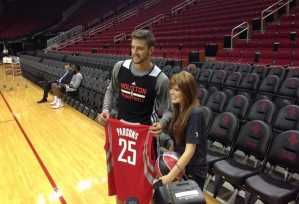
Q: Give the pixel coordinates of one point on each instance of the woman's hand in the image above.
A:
(166, 180)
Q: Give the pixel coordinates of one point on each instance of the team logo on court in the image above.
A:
(239, 100)
(292, 111)
(263, 105)
(225, 119)
(256, 128)
(293, 139)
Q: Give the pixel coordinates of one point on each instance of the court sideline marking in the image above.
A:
(52, 182)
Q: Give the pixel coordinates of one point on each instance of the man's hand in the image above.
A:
(157, 129)
(103, 118)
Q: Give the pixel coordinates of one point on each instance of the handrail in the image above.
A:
(122, 35)
(93, 22)
(150, 21)
(100, 28)
(232, 36)
(69, 42)
(179, 6)
(149, 4)
(115, 18)
(108, 14)
(262, 18)
(121, 6)
(125, 15)
(63, 36)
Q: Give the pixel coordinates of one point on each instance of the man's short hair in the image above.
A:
(69, 64)
(146, 35)
(77, 67)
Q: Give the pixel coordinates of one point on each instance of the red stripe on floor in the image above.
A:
(52, 182)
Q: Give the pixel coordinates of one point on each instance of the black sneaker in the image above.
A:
(43, 100)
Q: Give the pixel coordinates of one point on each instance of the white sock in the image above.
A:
(55, 98)
(59, 101)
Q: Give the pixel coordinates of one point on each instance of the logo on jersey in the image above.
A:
(127, 132)
(133, 92)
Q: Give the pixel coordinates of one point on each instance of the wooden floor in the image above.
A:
(49, 156)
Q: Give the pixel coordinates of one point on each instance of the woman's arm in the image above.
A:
(182, 163)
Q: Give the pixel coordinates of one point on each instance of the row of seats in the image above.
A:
(256, 46)
(285, 59)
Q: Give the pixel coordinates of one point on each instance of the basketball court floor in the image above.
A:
(49, 156)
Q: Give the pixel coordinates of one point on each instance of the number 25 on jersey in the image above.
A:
(124, 143)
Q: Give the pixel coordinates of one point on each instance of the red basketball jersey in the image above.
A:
(130, 160)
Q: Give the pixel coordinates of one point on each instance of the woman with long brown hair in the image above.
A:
(187, 130)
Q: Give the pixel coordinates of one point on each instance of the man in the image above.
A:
(59, 88)
(141, 86)
(65, 79)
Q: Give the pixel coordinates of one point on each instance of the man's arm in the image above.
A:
(78, 81)
(165, 100)
(112, 89)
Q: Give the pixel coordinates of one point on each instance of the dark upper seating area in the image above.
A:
(22, 17)
(93, 9)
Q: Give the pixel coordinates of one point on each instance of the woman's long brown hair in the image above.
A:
(187, 86)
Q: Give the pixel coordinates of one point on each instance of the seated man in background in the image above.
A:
(65, 79)
(59, 88)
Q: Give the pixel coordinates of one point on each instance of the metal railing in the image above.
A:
(69, 42)
(263, 17)
(108, 24)
(65, 35)
(150, 21)
(119, 37)
(108, 14)
(179, 6)
(149, 4)
(127, 15)
(121, 6)
(232, 35)
(93, 22)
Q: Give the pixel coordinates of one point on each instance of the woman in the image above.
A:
(187, 130)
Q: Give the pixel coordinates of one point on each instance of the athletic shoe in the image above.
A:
(58, 106)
